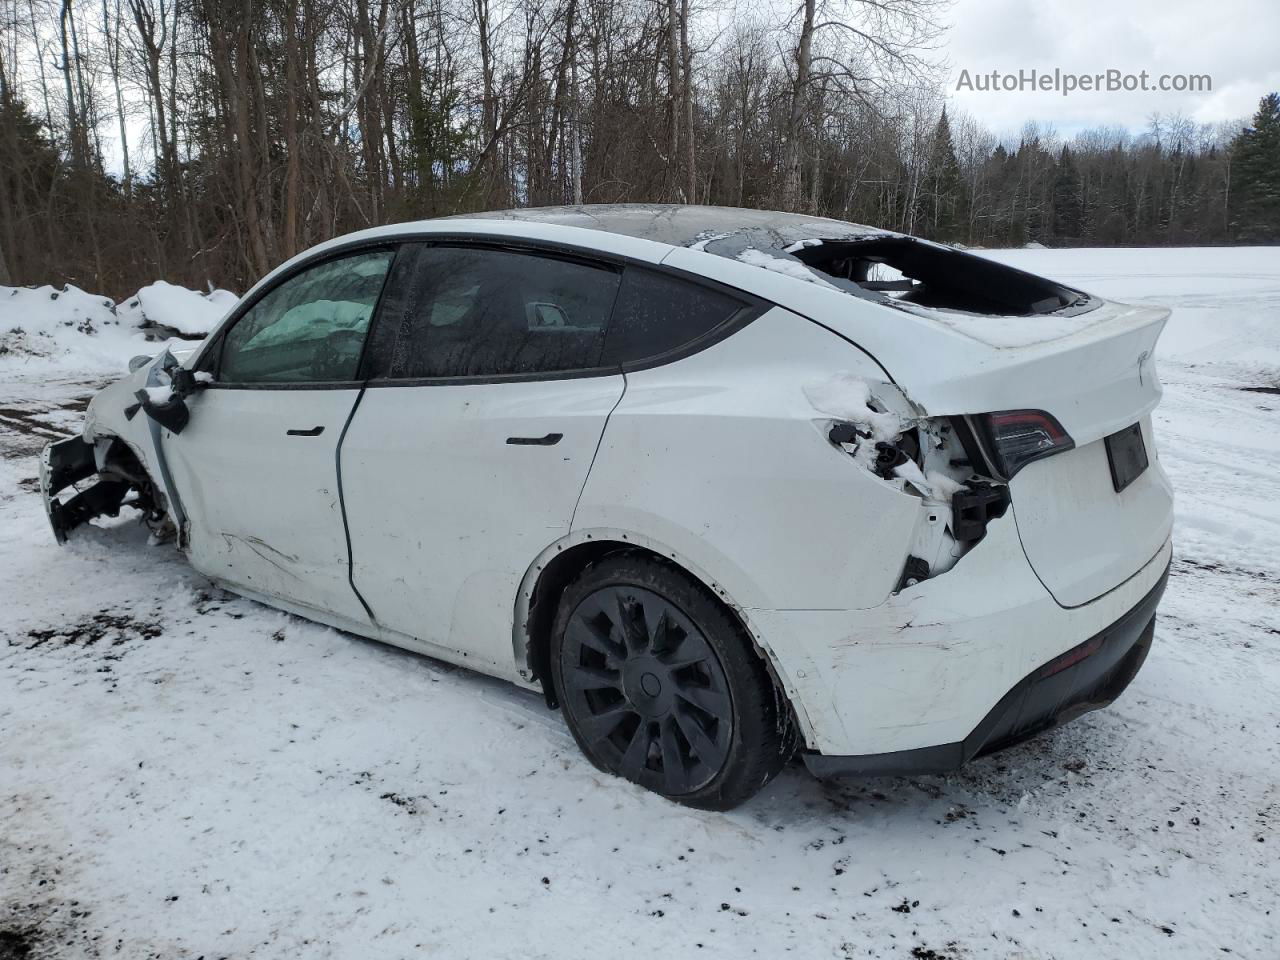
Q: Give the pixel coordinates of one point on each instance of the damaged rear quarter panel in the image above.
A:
(721, 456)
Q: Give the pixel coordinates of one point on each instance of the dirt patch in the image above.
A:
(1270, 390)
(16, 944)
(1220, 568)
(27, 425)
(112, 629)
(928, 953)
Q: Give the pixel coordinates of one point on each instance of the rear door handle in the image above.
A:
(313, 432)
(550, 440)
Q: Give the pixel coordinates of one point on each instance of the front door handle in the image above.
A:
(313, 432)
(550, 440)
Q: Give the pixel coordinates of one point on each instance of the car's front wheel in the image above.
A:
(659, 685)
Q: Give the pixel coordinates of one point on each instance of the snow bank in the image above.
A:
(45, 326)
(188, 312)
(46, 329)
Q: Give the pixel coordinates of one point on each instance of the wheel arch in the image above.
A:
(563, 561)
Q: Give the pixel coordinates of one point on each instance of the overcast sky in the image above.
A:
(1237, 42)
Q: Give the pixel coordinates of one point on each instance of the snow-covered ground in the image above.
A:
(184, 773)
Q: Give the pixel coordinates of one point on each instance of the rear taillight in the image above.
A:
(1018, 437)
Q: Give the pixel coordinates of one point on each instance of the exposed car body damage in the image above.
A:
(68, 463)
(893, 463)
(64, 464)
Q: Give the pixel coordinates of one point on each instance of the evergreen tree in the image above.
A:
(947, 210)
(1068, 200)
(1255, 202)
(28, 169)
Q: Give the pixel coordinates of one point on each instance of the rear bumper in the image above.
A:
(928, 665)
(1086, 677)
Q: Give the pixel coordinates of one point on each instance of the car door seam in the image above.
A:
(342, 504)
(596, 452)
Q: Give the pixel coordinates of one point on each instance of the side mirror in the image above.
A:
(172, 414)
(164, 399)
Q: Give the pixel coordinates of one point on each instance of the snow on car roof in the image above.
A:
(726, 231)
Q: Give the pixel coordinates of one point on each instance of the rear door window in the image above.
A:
(476, 312)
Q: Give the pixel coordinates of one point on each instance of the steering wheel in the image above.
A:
(336, 354)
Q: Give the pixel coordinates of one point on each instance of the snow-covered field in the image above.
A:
(184, 773)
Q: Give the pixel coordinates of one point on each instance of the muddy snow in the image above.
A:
(184, 773)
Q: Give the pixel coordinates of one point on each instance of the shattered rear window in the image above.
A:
(929, 275)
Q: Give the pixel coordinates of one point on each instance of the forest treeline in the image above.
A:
(205, 141)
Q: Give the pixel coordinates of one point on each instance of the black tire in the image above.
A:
(659, 685)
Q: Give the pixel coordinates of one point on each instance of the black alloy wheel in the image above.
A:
(659, 686)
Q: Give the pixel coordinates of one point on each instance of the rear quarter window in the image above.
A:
(657, 314)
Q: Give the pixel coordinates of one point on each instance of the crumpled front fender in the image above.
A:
(122, 449)
(67, 462)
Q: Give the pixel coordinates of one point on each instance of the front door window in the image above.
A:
(309, 329)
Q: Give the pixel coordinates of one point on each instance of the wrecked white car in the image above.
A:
(723, 484)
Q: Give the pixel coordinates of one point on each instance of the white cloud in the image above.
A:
(1231, 40)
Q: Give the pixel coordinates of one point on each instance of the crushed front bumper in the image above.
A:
(67, 462)
(1086, 677)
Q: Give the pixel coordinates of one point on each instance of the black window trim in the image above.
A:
(752, 307)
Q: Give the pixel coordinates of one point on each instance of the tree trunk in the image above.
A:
(292, 149)
(73, 122)
(113, 58)
(686, 93)
(675, 189)
(795, 119)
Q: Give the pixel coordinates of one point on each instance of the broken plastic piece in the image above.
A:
(844, 433)
(972, 509)
(913, 572)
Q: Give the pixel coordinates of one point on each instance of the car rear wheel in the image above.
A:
(659, 685)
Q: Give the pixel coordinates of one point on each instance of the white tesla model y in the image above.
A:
(724, 484)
